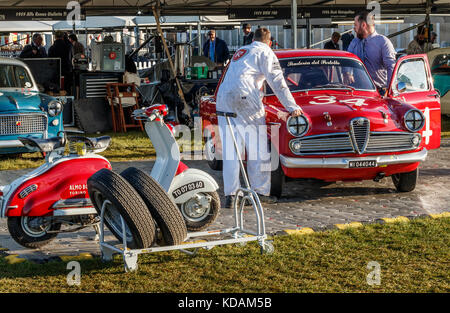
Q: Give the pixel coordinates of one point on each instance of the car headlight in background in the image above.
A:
(297, 126)
(414, 120)
(54, 108)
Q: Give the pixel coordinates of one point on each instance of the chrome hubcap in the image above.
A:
(35, 226)
(197, 207)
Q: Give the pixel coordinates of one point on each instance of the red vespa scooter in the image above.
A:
(40, 202)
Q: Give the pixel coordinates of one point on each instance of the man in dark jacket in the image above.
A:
(61, 49)
(216, 49)
(248, 34)
(35, 49)
(333, 43)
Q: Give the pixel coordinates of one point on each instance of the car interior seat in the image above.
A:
(312, 78)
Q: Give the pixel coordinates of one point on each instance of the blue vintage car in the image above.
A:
(24, 111)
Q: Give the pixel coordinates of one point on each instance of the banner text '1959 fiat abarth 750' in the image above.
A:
(348, 131)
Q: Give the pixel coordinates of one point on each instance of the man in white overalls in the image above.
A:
(241, 93)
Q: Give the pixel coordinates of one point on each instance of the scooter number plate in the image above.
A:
(187, 188)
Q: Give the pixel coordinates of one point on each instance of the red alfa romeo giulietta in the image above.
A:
(349, 131)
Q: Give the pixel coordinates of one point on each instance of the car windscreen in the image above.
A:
(308, 73)
(14, 76)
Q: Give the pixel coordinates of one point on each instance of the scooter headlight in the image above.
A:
(54, 108)
(297, 126)
(414, 120)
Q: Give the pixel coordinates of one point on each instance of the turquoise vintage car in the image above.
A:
(24, 111)
(439, 60)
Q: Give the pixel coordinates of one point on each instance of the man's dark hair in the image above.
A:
(421, 30)
(365, 16)
(262, 34)
(59, 34)
(336, 35)
(246, 25)
(36, 36)
(73, 37)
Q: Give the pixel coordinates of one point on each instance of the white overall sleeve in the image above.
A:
(270, 67)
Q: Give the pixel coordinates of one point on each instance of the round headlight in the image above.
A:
(297, 126)
(414, 120)
(54, 108)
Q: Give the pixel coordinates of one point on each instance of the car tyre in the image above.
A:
(277, 180)
(210, 149)
(405, 182)
(124, 202)
(25, 235)
(162, 208)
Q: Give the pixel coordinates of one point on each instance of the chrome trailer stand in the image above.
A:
(237, 235)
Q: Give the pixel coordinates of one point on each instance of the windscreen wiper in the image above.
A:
(336, 85)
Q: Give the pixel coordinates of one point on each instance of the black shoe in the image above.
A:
(229, 201)
(267, 199)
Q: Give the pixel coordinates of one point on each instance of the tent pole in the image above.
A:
(169, 57)
(294, 23)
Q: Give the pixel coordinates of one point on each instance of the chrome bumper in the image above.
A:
(10, 144)
(382, 160)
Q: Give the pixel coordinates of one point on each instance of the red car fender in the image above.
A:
(66, 180)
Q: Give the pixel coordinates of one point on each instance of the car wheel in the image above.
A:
(277, 179)
(162, 208)
(110, 190)
(210, 150)
(32, 231)
(201, 210)
(405, 182)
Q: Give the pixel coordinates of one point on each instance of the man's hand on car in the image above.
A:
(297, 112)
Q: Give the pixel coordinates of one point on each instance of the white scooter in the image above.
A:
(192, 190)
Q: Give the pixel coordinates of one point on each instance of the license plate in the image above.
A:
(362, 164)
(187, 188)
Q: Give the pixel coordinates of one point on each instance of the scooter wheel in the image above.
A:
(108, 189)
(32, 232)
(162, 208)
(201, 210)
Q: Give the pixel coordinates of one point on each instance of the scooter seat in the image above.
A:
(94, 143)
(99, 142)
(44, 145)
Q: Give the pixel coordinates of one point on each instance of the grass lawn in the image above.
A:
(133, 145)
(413, 256)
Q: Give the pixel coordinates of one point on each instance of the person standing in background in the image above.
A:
(77, 47)
(333, 43)
(346, 40)
(248, 34)
(216, 49)
(60, 49)
(419, 44)
(35, 49)
(375, 51)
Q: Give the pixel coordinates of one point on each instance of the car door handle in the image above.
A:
(436, 95)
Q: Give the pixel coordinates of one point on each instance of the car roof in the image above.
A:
(12, 61)
(292, 53)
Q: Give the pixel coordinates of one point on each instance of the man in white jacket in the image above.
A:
(241, 93)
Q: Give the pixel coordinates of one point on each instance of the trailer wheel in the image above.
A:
(109, 189)
(201, 210)
(162, 208)
(32, 231)
(405, 182)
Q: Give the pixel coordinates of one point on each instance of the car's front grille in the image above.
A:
(359, 130)
(20, 124)
(391, 141)
(337, 143)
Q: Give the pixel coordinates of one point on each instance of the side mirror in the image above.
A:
(401, 87)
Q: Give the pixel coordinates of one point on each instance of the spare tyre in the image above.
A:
(109, 189)
(162, 208)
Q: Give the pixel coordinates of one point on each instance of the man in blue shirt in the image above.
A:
(375, 50)
(216, 49)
